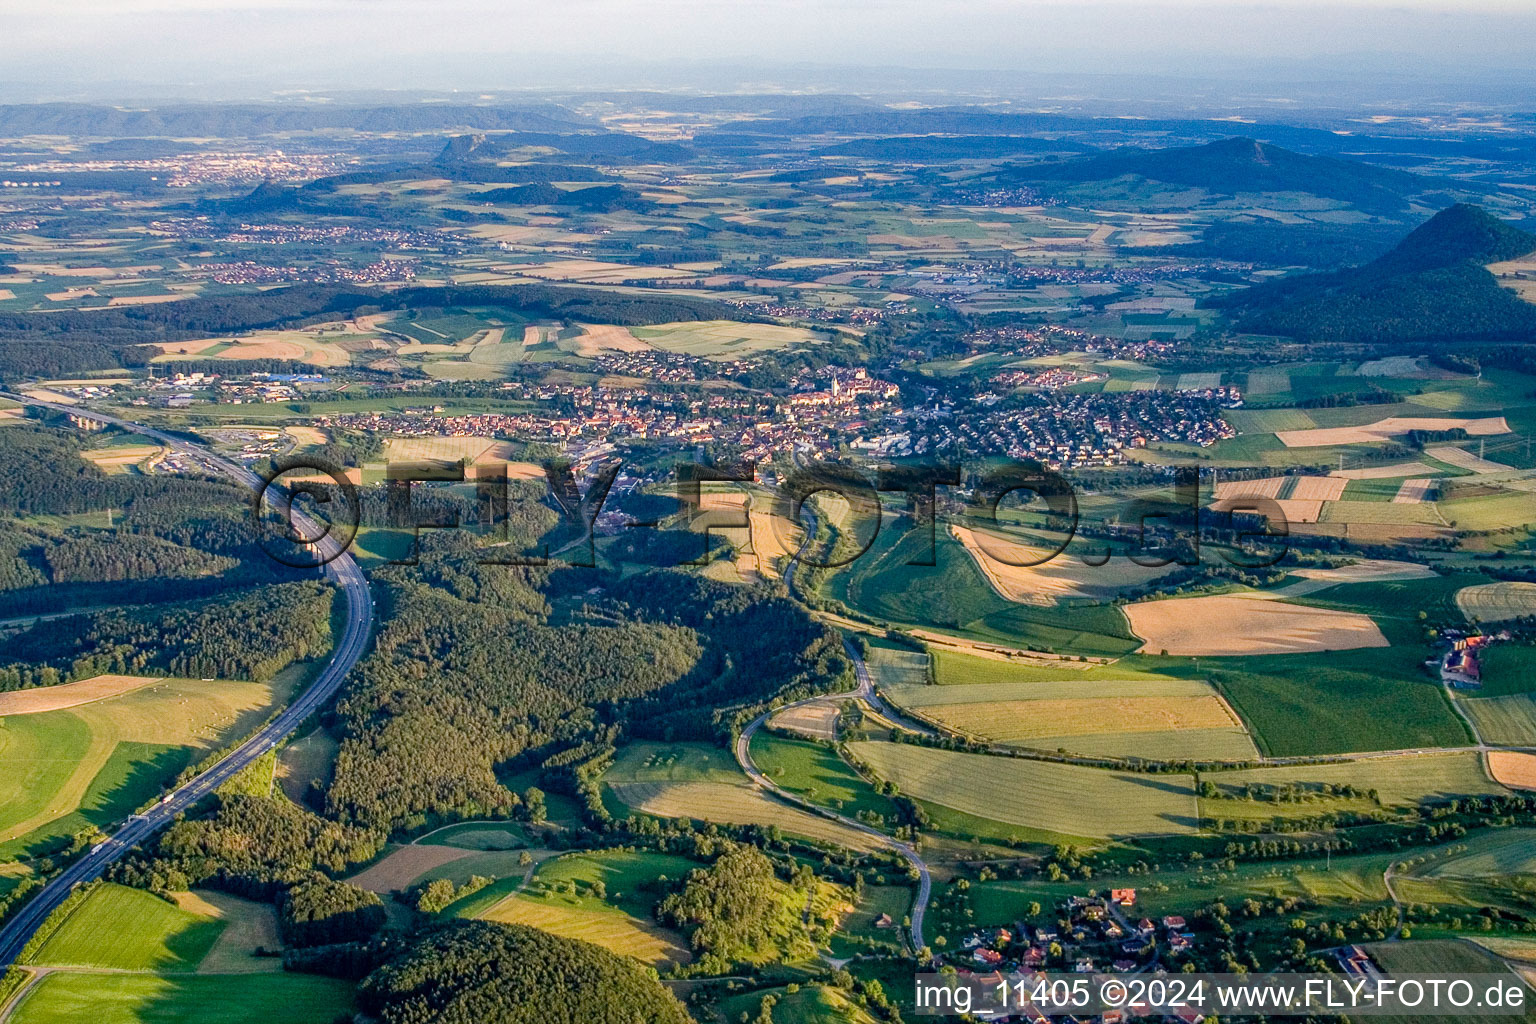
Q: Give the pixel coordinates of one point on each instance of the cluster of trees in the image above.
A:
(738, 910)
(440, 893)
(321, 911)
(472, 972)
(252, 846)
(250, 635)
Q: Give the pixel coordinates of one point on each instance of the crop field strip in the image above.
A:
(1062, 798)
(1399, 781)
(1102, 717)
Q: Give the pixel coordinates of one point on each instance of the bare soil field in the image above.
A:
(597, 339)
(1265, 487)
(1044, 584)
(1392, 426)
(1487, 602)
(1238, 624)
(818, 721)
(1412, 492)
(1513, 769)
(70, 695)
(403, 866)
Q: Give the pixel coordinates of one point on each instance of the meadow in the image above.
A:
(1063, 798)
(67, 998)
(724, 339)
(815, 772)
(1508, 721)
(561, 899)
(95, 763)
(122, 929)
(1398, 781)
(953, 596)
(692, 780)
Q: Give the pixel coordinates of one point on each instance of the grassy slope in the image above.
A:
(130, 930)
(206, 999)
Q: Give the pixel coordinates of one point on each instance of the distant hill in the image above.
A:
(240, 120)
(1238, 165)
(596, 198)
(590, 145)
(1432, 286)
(942, 148)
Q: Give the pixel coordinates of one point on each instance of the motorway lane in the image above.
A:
(342, 571)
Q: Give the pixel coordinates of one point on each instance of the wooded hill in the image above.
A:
(1433, 286)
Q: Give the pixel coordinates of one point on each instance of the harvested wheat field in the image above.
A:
(1396, 469)
(1412, 492)
(1296, 511)
(1317, 488)
(1512, 769)
(1463, 459)
(479, 450)
(1058, 578)
(1496, 602)
(1392, 426)
(406, 864)
(1265, 487)
(70, 695)
(1229, 624)
(734, 804)
(264, 350)
(818, 720)
(309, 436)
(598, 339)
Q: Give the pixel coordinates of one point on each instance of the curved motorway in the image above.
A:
(341, 570)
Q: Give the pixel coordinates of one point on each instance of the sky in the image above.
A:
(89, 48)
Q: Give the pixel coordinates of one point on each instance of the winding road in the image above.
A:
(349, 647)
(906, 851)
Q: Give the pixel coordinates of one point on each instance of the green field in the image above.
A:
(724, 339)
(816, 1004)
(1398, 780)
(816, 772)
(896, 665)
(68, 998)
(858, 932)
(1338, 703)
(672, 762)
(129, 930)
(1061, 798)
(953, 596)
(1504, 721)
(1484, 854)
(1173, 719)
(66, 770)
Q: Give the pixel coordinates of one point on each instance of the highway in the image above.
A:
(349, 647)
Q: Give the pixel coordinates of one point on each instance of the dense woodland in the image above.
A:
(247, 635)
(483, 973)
(1432, 287)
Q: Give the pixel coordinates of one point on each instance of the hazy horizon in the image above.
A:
(1270, 53)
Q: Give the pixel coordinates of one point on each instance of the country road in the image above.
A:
(906, 851)
(349, 646)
